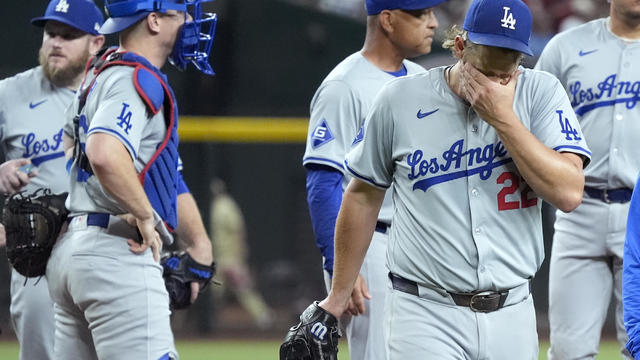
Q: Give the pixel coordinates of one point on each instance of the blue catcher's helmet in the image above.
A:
(195, 39)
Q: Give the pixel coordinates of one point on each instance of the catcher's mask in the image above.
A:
(195, 38)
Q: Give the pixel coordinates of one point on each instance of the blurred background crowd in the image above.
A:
(270, 56)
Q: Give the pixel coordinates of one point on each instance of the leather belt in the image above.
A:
(382, 227)
(482, 301)
(620, 195)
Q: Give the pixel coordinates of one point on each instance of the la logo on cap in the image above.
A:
(507, 21)
(63, 6)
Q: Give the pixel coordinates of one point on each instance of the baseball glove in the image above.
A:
(180, 269)
(32, 224)
(314, 338)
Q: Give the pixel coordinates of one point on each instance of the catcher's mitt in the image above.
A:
(32, 224)
(180, 269)
(314, 338)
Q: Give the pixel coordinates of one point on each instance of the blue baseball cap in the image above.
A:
(374, 7)
(500, 23)
(125, 13)
(81, 14)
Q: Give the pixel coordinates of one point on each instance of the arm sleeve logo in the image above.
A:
(125, 118)
(321, 134)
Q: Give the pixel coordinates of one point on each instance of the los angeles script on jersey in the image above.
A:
(485, 159)
(33, 146)
(608, 92)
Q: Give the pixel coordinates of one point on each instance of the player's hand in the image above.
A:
(13, 179)
(491, 100)
(150, 237)
(200, 252)
(360, 292)
(3, 236)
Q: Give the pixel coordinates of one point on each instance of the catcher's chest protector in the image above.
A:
(160, 175)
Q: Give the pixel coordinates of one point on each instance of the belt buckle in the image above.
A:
(492, 296)
(605, 196)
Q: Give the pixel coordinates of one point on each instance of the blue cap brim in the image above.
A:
(114, 25)
(375, 8)
(499, 41)
(424, 4)
(42, 20)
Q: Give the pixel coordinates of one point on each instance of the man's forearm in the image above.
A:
(556, 177)
(191, 229)
(354, 228)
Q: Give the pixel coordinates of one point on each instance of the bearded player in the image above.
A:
(32, 106)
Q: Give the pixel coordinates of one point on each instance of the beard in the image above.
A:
(64, 76)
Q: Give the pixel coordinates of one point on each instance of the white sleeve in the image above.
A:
(122, 114)
(553, 120)
(334, 123)
(371, 160)
(551, 58)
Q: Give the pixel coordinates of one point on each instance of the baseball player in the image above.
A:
(32, 106)
(396, 29)
(471, 150)
(111, 301)
(594, 63)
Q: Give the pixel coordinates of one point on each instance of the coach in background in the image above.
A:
(32, 106)
(396, 30)
(597, 65)
(470, 150)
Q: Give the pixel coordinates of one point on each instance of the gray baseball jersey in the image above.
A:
(338, 111)
(31, 120)
(113, 107)
(464, 218)
(602, 79)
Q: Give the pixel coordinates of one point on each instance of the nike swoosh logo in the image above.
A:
(33, 106)
(584, 53)
(422, 115)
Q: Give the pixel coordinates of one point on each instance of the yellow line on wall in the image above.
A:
(242, 129)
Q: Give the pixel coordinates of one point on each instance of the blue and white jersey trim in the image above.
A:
(572, 147)
(364, 178)
(124, 140)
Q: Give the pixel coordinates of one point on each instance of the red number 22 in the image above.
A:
(525, 200)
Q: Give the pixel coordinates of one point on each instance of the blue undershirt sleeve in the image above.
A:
(324, 195)
(631, 275)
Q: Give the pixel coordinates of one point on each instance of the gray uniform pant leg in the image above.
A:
(585, 270)
(110, 302)
(364, 332)
(418, 328)
(32, 316)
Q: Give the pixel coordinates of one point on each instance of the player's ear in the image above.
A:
(153, 22)
(458, 47)
(386, 18)
(96, 43)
